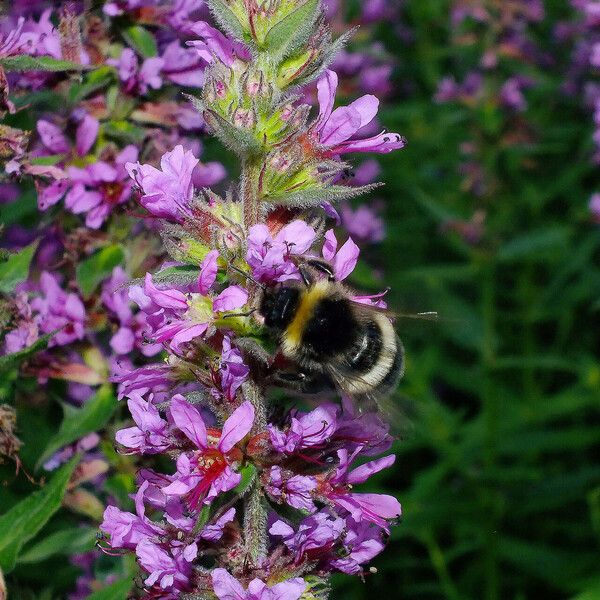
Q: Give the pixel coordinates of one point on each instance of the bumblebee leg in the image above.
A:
(323, 266)
(306, 275)
(301, 382)
(253, 349)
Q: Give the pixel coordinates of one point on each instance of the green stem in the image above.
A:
(439, 564)
(491, 417)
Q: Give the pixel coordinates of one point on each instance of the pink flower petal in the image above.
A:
(298, 236)
(237, 426)
(362, 473)
(52, 137)
(326, 89)
(230, 298)
(86, 134)
(345, 260)
(226, 586)
(208, 272)
(330, 245)
(188, 420)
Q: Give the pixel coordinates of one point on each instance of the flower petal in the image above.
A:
(208, 272)
(326, 89)
(345, 260)
(237, 426)
(188, 420)
(226, 586)
(230, 298)
(362, 473)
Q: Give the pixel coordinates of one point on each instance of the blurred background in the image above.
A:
(488, 217)
(491, 221)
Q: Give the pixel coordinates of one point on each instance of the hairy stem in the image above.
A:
(256, 534)
(255, 524)
(250, 191)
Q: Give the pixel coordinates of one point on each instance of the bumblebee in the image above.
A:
(333, 341)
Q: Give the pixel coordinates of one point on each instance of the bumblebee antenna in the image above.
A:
(247, 276)
(426, 316)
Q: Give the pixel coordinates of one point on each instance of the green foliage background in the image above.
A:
(499, 478)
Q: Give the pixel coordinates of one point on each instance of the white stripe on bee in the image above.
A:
(360, 383)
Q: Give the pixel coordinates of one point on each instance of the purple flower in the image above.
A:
(343, 260)
(177, 318)
(214, 45)
(136, 79)
(306, 431)
(166, 193)
(233, 370)
(118, 7)
(156, 377)
(150, 434)
(127, 530)
(214, 532)
(333, 129)
(168, 570)
(314, 538)
(52, 137)
(183, 66)
(85, 444)
(364, 430)
(227, 587)
(27, 331)
(372, 508)
(271, 259)
(115, 297)
(363, 224)
(99, 187)
(58, 310)
(362, 543)
(511, 94)
(205, 473)
(295, 490)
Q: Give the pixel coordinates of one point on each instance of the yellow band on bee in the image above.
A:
(292, 336)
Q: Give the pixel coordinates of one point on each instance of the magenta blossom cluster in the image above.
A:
(146, 273)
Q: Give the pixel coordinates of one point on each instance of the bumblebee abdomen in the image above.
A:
(376, 363)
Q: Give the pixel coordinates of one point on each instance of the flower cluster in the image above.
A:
(260, 501)
(492, 42)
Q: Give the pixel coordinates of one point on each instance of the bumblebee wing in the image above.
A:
(395, 409)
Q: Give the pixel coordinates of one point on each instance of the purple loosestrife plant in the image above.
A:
(259, 502)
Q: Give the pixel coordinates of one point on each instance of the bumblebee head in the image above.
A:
(278, 306)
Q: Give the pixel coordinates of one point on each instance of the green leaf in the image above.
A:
(15, 268)
(183, 275)
(75, 540)
(124, 131)
(141, 40)
(226, 18)
(95, 81)
(79, 422)
(535, 243)
(248, 473)
(116, 591)
(22, 522)
(590, 592)
(293, 30)
(10, 361)
(24, 62)
(97, 267)
(238, 140)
